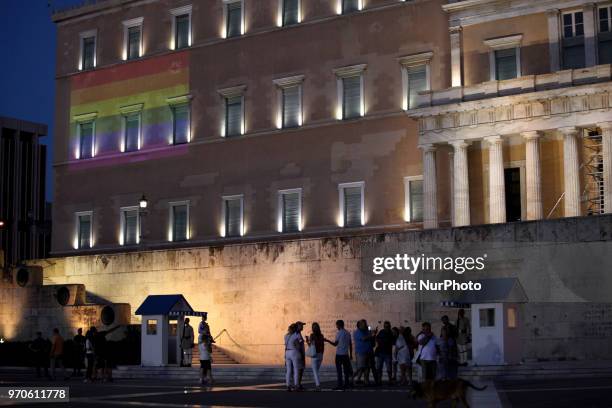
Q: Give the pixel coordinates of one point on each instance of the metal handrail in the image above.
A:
(228, 335)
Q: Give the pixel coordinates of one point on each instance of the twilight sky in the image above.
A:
(27, 67)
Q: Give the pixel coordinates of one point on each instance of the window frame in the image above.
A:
(77, 241)
(411, 61)
(125, 112)
(177, 102)
(504, 43)
(82, 37)
(127, 24)
(123, 224)
(598, 20)
(226, 4)
(171, 232)
(341, 188)
(282, 84)
(281, 14)
(281, 209)
(228, 93)
(349, 72)
(341, 10)
(224, 200)
(407, 198)
(80, 120)
(572, 12)
(177, 12)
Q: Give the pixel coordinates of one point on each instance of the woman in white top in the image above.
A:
(205, 359)
(292, 357)
(404, 346)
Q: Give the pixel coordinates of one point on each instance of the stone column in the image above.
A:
(497, 189)
(554, 40)
(590, 36)
(461, 196)
(606, 142)
(571, 172)
(455, 44)
(532, 170)
(430, 187)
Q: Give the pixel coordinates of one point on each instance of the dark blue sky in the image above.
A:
(27, 66)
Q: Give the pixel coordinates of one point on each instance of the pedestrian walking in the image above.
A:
(447, 356)
(383, 353)
(464, 337)
(316, 347)
(362, 337)
(78, 353)
(405, 346)
(427, 355)
(90, 373)
(40, 350)
(57, 354)
(205, 360)
(344, 355)
(187, 338)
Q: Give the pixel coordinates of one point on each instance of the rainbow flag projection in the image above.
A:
(107, 96)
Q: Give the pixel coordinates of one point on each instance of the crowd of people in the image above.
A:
(89, 351)
(205, 342)
(376, 351)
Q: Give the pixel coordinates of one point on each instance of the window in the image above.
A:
(350, 91)
(181, 27)
(414, 198)
(233, 19)
(573, 40)
(290, 12)
(179, 220)
(415, 77)
(605, 35)
(512, 323)
(349, 6)
(180, 124)
(130, 226)
(86, 139)
(487, 317)
(133, 38)
(88, 50)
(84, 230)
(351, 204)
(151, 327)
(289, 101)
(233, 116)
(131, 137)
(504, 57)
(233, 210)
(290, 210)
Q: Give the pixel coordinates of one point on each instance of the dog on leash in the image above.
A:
(442, 390)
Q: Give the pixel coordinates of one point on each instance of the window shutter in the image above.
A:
(233, 116)
(182, 31)
(505, 64)
(89, 46)
(349, 6)
(416, 200)
(84, 231)
(181, 124)
(234, 19)
(130, 227)
(417, 82)
(290, 12)
(132, 131)
(352, 206)
(133, 42)
(179, 222)
(233, 217)
(351, 97)
(291, 212)
(86, 136)
(291, 106)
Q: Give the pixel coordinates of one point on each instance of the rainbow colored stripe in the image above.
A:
(149, 82)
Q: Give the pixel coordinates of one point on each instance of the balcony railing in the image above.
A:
(524, 84)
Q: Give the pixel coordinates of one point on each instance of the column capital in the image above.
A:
(568, 130)
(455, 29)
(494, 139)
(588, 6)
(553, 12)
(459, 144)
(429, 147)
(531, 134)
